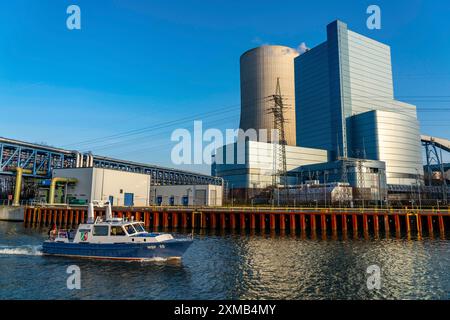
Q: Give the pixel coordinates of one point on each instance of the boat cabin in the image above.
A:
(115, 230)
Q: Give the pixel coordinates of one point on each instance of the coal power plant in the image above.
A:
(343, 139)
(341, 126)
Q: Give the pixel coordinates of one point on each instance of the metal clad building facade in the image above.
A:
(346, 76)
(314, 119)
(257, 170)
(260, 68)
(392, 138)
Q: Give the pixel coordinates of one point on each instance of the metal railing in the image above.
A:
(287, 210)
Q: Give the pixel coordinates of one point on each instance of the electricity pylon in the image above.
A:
(279, 155)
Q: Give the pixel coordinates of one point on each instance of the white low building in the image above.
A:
(183, 195)
(251, 165)
(122, 188)
(331, 193)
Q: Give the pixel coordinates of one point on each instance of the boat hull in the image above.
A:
(118, 251)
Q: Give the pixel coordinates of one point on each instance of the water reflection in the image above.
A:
(240, 265)
(318, 269)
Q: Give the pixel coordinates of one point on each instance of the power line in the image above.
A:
(217, 112)
(134, 140)
(227, 109)
(147, 128)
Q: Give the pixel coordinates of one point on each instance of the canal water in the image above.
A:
(236, 266)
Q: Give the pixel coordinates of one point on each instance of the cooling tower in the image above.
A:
(260, 68)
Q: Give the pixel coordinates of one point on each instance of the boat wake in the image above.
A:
(160, 259)
(27, 250)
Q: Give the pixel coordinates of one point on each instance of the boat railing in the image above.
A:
(98, 220)
(61, 234)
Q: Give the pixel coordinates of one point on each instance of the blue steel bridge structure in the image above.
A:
(38, 161)
(434, 148)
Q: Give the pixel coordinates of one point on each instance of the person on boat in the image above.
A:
(52, 232)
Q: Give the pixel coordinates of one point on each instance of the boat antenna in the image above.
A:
(90, 217)
(108, 211)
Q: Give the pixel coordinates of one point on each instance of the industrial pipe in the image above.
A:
(55, 180)
(87, 160)
(78, 161)
(90, 160)
(18, 188)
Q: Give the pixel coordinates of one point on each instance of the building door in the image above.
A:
(129, 199)
(159, 200)
(185, 200)
(200, 197)
(111, 200)
(172, 200)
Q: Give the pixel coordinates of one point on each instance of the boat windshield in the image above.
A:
(139, 227)
(130, 229)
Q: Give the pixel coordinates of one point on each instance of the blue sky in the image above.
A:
(148, 64)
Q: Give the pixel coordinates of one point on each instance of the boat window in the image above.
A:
(139, 227)
(101, 230)
(130, 229)
(117, 231)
